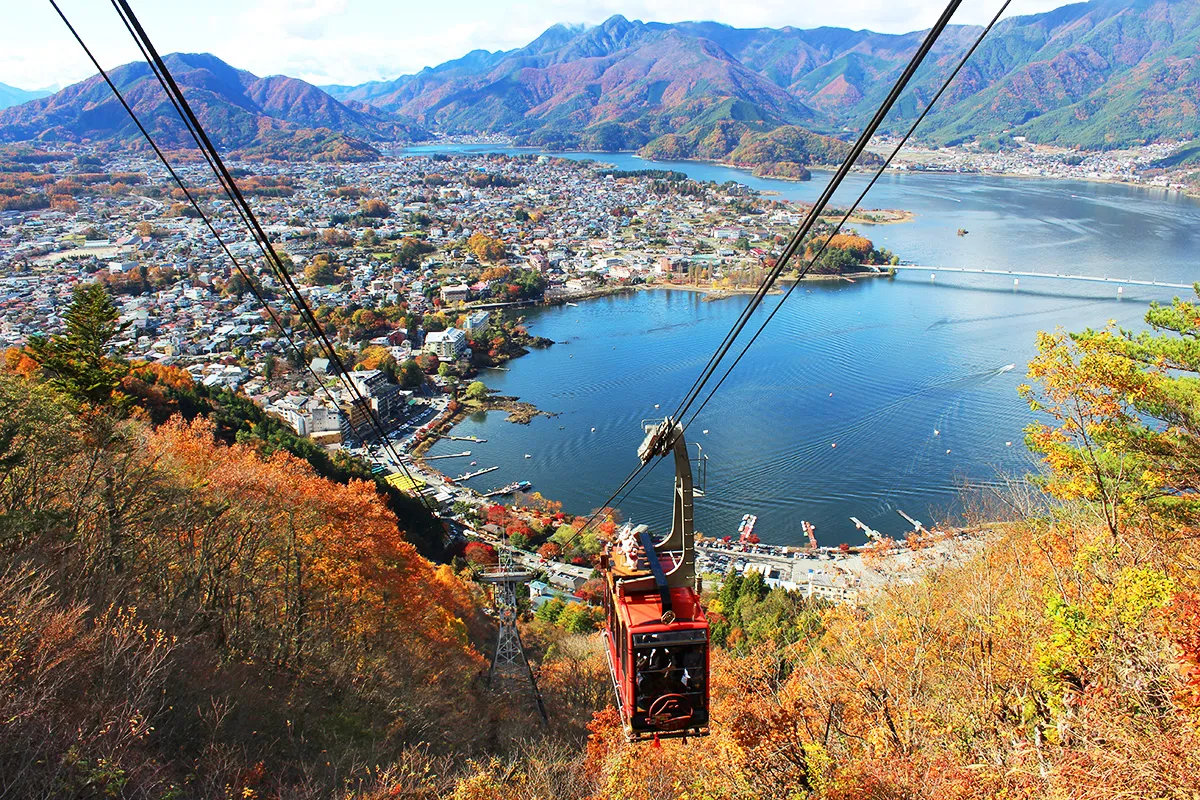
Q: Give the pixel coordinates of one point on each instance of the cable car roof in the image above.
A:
(647, 609)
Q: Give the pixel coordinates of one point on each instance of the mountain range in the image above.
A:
(278, 115)
(1100, 74)
(12, 96)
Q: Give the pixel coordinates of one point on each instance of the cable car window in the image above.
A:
(623, 649)
(675, 672)
(699, 636)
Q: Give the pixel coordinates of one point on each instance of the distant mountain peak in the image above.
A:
(1104, 73)
(12, 96)
(277, 115)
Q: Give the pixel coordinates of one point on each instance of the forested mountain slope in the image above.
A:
(276, 115)
(1098, 74)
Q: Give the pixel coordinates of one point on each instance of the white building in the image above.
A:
(828, 587)
(728, 233)
(478, 320)
(607, 262)
(446, 345)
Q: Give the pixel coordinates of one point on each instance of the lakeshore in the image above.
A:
(841, 574)
(869, 367)
(1131, 167)
(714, 290)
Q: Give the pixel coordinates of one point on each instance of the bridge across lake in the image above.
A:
(1030, 274)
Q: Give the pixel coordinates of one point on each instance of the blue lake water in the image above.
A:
(873, 367)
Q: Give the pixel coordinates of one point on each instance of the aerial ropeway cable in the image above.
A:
(656, 633)
(857, 201)
(825, 244)
(258, 233)
(201, 213)
(245, 212)
(797, 239)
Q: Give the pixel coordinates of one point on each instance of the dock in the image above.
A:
(515, 486)
(916, 523)
(746, 529)
(466, 476)
(474, 439)
(867, 529)
(463, 454)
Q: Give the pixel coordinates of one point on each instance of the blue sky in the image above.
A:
(352, 41)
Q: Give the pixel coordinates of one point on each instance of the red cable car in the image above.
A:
(656, 634)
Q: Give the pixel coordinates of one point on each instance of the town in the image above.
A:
(1149, 165)
(415, 265)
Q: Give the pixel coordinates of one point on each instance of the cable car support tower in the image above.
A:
(509, 662)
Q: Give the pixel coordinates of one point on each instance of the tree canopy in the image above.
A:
(1125, 418)
(486, 248)
(80, 361)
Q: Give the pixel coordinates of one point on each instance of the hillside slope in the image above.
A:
(275, 115)
(1100, 74)
(12, 96)
(179, 615)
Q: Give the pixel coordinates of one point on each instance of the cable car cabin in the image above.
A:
(660, 670)
(656, 634)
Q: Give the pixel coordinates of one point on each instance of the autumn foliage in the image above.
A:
(860, 246)
(353, 582)
(172, 606)
(185, 617)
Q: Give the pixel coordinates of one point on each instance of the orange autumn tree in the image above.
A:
(297, 569)
(292, 608)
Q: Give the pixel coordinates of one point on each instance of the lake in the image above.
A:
(875, 367)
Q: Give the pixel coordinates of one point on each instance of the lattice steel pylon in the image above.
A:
(509, 659)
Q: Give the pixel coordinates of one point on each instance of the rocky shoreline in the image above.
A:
(519, 411)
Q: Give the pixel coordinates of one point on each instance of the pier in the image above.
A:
(466, 476)
(1016, 274)
(474, 439)
(463, 454)
(515, 486)
(867, 529)
(916, 523)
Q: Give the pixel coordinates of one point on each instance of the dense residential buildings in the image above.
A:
(533, 229)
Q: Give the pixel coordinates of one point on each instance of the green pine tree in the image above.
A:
(83, 362)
